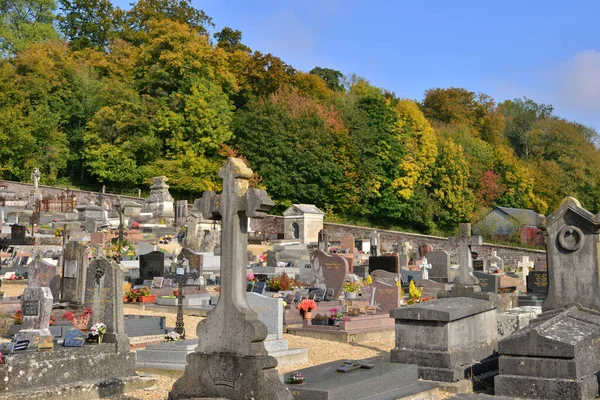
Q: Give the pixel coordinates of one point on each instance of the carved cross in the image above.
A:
(464, 241)
(233, 207)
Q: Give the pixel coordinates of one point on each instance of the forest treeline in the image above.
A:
(92, 94)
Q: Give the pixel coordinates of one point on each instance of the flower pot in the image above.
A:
(295, 382)
(307, 315)
(320, 322)
(125, 299)
(175, 292)
(351, 295)
(147, 299)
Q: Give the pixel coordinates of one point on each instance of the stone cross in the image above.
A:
(233, 207)
(424, 265)
(374, 237)
(323, 240)
(231, 360)
(525, 264)
(464, 241)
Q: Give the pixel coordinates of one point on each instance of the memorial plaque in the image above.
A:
(157, 282)
(70, 269)
(488, 282)
(386, 263)
(477, 265)
(259, 287)
(31, 308)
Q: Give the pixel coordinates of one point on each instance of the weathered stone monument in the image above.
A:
(75, 259)
(104, 294)
(462, 334)
(160, 201)
(231, 360)
(35, 195)
(43, 274)
(303, 222)
(557, 355)
(36, 307)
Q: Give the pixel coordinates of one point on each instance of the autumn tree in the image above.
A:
(87, 23)
(333, 78)
(23, 22)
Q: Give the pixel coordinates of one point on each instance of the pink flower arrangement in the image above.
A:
(251, 277)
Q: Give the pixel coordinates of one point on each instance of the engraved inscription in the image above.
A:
(31, 308)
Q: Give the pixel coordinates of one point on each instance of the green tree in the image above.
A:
(87, 23)
(521, 115)
(231, 40)
(333, 78)
(23, 22)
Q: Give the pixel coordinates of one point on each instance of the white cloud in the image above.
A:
(579, 82)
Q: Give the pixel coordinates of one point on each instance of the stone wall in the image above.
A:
(273, 225)
(22, 191)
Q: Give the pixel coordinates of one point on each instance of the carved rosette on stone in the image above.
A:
(230, 360)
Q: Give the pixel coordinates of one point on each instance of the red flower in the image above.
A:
(307, 305)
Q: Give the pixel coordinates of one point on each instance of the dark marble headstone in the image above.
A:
(478, 265)
(332, 268)
(259, 287)
(17, 234)
(386, 263)
(74, 338)
(537, 282)
(488, 282)
(152, 265)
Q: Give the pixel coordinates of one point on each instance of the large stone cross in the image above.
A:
(464, 241)
(237, 329)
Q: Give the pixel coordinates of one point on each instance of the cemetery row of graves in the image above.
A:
(460, 322)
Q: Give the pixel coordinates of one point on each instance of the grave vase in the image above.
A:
(351, 295)
(307, 315)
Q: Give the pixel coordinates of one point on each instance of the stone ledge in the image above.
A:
(443, 310)
(88, 391)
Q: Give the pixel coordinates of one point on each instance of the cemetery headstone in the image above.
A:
(386, 263)
(333, 268)
(408, 276)
(347, 242)
(36, 308)
(195, 265)
(424, 266)
(323, 240)
(231, 357)
(97, 239)
(387, 296)
(74, 272)
(43, 274)
(374, 236)
(488, 282)
(478, 265)
(17, 234)
(259, 288)
(152, 265)
(495, 263)
(145, 248)
(525, 265)
(440, 265)
(465, 280)
(104, 294)
(424, 249)
(270, 312)
(537, 282)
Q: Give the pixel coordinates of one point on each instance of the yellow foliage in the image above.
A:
(416, 135)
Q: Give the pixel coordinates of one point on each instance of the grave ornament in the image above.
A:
(424, 266)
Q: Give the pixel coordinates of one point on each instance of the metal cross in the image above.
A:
(181, 277)
(464, 242)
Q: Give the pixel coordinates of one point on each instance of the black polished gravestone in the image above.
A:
(478, 265)
(537, 282)
(151, 266)
(17, 234)
(386, 263)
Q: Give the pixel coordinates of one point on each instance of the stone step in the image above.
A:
(290, 356)
(276, 345)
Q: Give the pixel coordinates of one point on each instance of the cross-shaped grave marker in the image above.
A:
(231, 357)
(464, 241)
(180, 276)
(424, 266)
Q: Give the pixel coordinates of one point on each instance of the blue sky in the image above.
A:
(547, 50)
